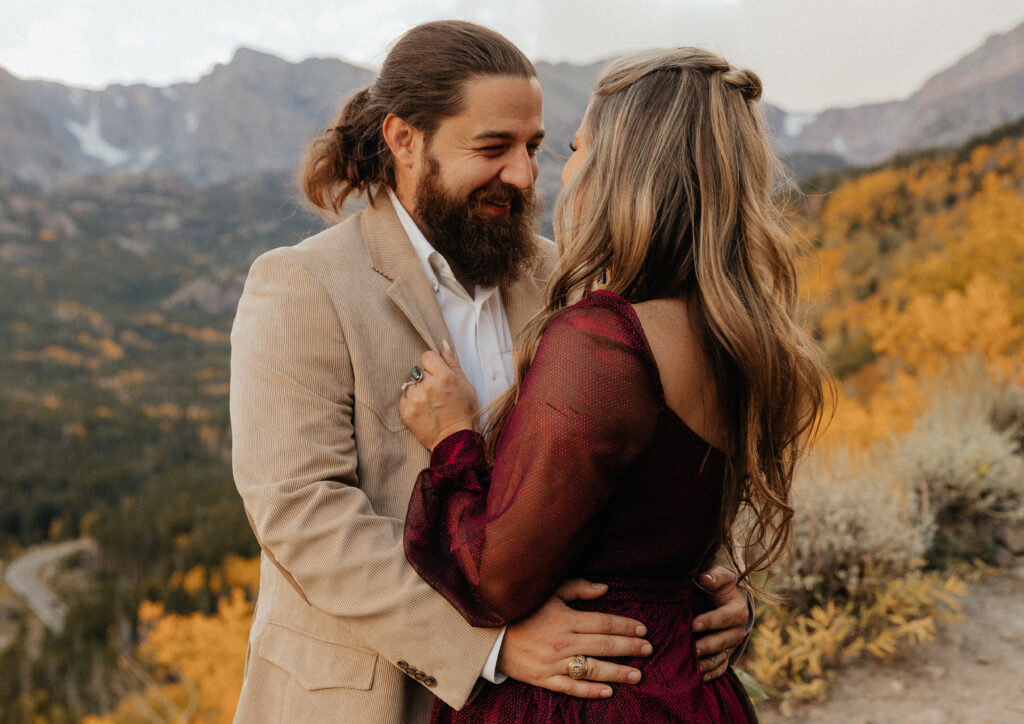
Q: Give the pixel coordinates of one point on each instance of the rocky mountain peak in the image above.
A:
(1000, 56)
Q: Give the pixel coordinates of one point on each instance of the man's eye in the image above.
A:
(572, 146)
(532, 150)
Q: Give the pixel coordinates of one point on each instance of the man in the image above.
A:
(444, 143)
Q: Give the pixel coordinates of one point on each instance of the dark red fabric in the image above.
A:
(595, 477)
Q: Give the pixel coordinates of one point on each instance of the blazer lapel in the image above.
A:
(392, 256)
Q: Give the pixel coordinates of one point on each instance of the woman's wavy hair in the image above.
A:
(422, 82)
(675, 199)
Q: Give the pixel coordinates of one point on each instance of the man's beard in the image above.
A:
(487, 250)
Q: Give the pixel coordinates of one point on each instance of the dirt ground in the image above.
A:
(971, 673)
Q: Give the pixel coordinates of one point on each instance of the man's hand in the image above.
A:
(723, 628)
(537, 650)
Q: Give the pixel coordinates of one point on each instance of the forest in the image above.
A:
(114, 425)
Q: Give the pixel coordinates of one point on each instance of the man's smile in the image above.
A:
(498, 208)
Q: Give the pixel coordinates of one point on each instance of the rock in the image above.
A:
(1011, 536)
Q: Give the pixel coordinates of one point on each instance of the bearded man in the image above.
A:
(444, 144)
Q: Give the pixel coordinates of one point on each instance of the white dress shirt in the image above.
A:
(480, 335)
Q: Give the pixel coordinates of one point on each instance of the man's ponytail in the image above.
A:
(350, 157)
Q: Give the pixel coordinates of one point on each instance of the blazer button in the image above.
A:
(403, 666)
(420, 676)
(430, 681)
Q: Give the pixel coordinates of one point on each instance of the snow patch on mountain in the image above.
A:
(146, 158)
(91, 141)
(794, 124)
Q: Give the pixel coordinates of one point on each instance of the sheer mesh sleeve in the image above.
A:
(497, 543)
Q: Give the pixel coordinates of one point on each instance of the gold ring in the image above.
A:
(578, 667)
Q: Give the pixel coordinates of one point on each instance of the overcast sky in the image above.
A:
(811, 54)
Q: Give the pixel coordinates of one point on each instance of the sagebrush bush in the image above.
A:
(960, 460)
(930, 493)
(853, 515)
(967, 469)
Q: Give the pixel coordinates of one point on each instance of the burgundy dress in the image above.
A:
(595, 477)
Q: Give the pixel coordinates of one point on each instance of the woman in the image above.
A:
(665, 383)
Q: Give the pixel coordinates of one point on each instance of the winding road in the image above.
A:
(22, 576)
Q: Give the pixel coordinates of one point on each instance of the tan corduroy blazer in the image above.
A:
(344, 628)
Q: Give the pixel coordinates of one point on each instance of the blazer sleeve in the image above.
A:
(294, 459)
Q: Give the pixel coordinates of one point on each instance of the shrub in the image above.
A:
(854, 521)
(791, 652)
(962, 458)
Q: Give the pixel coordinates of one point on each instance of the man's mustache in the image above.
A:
(504, 195)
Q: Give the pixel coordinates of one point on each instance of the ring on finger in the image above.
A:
(415, 375)
(578, 667)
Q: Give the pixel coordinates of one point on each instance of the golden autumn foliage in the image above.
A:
(189, 668)
(70, 310)
(163, 411)
(791, 651)
(110, 349)
(199, 662)
(242, 572)
(915, 267)
(131, 338)
(199, 334)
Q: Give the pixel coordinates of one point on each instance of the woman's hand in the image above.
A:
(440, 404)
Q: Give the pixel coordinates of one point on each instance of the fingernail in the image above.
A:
(634, 677)
(597, 585)
(447, 347)
(606, 693)
(646, 649)
(706, 678)
(700, 651)
(709, 578)
(641, 630)
(699, 626)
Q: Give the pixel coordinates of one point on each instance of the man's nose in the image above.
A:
(519, 170)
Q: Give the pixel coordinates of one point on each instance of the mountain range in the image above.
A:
(984, 89)
(257, 113)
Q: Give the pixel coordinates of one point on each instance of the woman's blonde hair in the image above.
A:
(675, 199)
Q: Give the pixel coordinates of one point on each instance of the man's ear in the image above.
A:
(403, 140)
